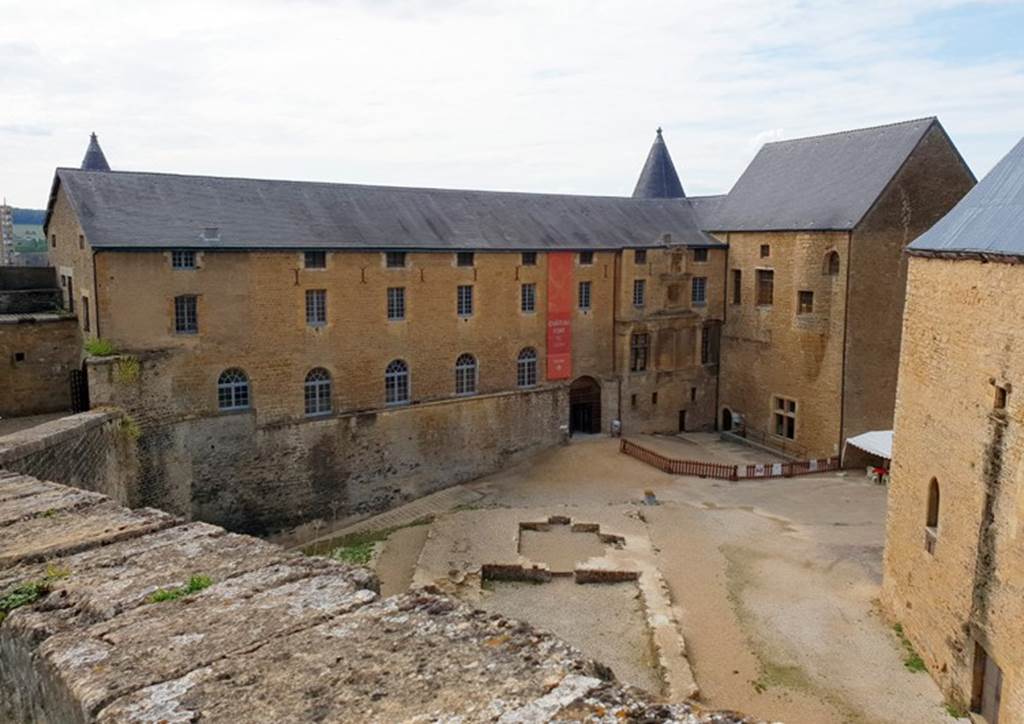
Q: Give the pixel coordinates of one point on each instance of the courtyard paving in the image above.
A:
(772, 584)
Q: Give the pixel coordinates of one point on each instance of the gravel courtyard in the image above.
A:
(774, 583)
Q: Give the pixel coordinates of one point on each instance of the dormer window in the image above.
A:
(211, 233)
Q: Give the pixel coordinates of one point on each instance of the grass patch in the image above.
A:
(358, 554)
(31, 591)
(130, 428)
(100, 347)
(912, 661)
(956, 711)
(127, 370)
(334, 547)
(194, 585)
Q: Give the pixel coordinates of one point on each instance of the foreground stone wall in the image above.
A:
(93, 450)
(264, 636)
(961, 338)
(257, 476)
(37, 353)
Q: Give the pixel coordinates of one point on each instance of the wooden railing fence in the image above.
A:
(721, 471)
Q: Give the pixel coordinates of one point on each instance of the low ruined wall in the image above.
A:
(135, 616)
(237, 471)
(37, 353)
(93, 451)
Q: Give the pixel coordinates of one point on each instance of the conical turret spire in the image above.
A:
(658, 179)
(94, 159)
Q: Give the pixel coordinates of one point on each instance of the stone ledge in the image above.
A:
(20, 444)
(274, 636)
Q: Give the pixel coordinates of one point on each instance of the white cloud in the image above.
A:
(529, 95)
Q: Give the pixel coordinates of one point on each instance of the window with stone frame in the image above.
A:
(394, 259)
(737, 286)
(784, 417)
(586, 258)
(464, 258)
(465, 375)
(526, 367)
(529, 258)
(396, 383)
(639, 292)
(583, 296)
(640, 256)
(832, 263)
(464, 300)
(765, 287)
(528, 297)
(699, 291)
(315, 259)
(639, 346)
(396, 304)
(805, 302)
(317, 392)
(183, 259)
(186, 319)
(700, 255)
(316, 307)
(233, 390)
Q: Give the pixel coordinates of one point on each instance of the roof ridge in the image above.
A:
(377, 186)
(854, 130)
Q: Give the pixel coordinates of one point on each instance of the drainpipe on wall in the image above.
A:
(95, 294)
(616, 276)
(721, 332)
(846, 317)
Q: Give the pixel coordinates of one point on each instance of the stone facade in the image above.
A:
(37, 354)
(954, 575)
(838, 362)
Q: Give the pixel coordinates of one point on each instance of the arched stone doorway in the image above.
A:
(585, 405)
(726, 419)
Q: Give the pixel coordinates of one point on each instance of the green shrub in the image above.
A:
(195, 584)
(358, 554)
(127, 370)
(99, 348)
(130, 428)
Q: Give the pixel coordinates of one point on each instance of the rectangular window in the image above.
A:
(529, 258)
(805, 302)
(586, 258)
(183, 259)
(700, 254)
(709, 343)
(584, 295)
(1001, 395)
(632, 401)
(639, 292)
(693, 394)
(81, 241)
(528, 297)
(737, 286)
(185, 319)
(765, 287)
(53, 240)
(394, 259)
(699, 292)
(638, 346)
(85, 313)
(785, 417)
(464, 258)
(654, 398)
(396, 303)
(316, 307)
(766, 251)
(640, 256)
(465, 300)
(315, 260)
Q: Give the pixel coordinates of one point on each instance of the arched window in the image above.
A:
(931, 529)
(465, 375)
(526, 367)
(396, 383)
(832, 263)
(233, 390)
(317, 392)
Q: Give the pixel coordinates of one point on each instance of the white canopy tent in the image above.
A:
(876, 442)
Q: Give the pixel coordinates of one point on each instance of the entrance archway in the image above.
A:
(726, 419)
(585, 405)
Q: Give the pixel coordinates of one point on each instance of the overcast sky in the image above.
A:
(532, 96)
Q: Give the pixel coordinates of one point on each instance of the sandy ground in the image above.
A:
(397, 561)
(16, 424)
(775, 581)
(612, 614)
(559, 548)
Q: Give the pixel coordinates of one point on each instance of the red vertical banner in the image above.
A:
(559, 339)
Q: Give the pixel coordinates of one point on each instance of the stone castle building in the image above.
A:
(315, 349)
(954, 559)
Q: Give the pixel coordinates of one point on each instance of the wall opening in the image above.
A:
(726, 419)
(585, 405)
(987, 688)
(931, 525)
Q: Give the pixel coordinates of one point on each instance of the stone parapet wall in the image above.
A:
(92, 450)
(260, 635)
(37, 354)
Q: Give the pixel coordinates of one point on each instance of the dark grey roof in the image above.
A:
(149, 210)
(94, 159)
(658, 178)
(988, 220)
(706, 208)
(821, 182)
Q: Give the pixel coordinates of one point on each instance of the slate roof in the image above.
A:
(658, 178)
(706, 208)
(131, 210)
(94, 159)
(824, 182)
(988, 220)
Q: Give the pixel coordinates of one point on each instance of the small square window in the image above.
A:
(805, 302)
(586, 258)
(529, 258)
(700, 254)
(640, 256)
(395, 259)
(19, 356)
(315, 260)
(464, 258)
(766, 251)
(183, 259)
